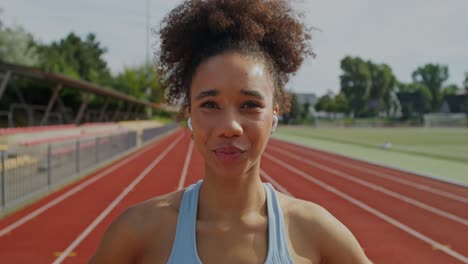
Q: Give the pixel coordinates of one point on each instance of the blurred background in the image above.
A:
(78, 88)
(390, 77)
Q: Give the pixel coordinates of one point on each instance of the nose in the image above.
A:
(230, 126)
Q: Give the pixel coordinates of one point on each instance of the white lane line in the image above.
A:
(377, 188)
(114, 203)
(71, 192)
(275, 183)
(186, 164)
(371, 210)
(383, 175)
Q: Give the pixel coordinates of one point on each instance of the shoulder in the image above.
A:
(320, 231)
(126, 238)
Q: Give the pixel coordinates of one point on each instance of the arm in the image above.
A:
(120, 243)
(338, 244)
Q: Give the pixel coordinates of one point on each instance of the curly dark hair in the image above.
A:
(267, 30)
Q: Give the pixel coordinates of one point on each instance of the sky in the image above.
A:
(404, 34)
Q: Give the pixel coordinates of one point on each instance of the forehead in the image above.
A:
(231, 73)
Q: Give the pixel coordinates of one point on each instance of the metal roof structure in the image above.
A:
(71, 83)
(129, 108)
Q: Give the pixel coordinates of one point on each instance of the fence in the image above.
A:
(150, 133)
(445, 120)
(27, 171)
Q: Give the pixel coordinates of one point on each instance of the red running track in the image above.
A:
(397, 217)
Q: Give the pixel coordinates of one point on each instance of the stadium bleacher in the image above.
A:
(50, 134)
(18, 162)
(40, 136)
(33, 136)
(34, 129)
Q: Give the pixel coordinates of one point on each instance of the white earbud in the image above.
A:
(189, 124)
(275, 123)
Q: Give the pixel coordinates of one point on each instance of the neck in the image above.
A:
(231, 197)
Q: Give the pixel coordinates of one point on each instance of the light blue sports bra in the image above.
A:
(184, 250)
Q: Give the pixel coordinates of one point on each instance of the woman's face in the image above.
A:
(231, 106)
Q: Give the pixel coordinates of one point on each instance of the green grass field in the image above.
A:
(433, 151)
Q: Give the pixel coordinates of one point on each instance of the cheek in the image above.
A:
(203, 128)
(200, 141)
(258, 132)
(201, 135)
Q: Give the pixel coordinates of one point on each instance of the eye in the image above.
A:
(209, 105)
(251, 105)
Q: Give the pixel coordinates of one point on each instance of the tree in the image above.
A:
(78, 58)
(341, 104)
(332, 103)
(17, 46)
(355, 84)
(422, 92)
(450, 90)
(305, 111)
(432, 76)
(133, 81)
(377, 90)
(325, 103)
(382, 84)
(465, 82)
(294, 115)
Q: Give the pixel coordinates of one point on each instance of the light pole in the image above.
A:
(147, 30)
(147, 73)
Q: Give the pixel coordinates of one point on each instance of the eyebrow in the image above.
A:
(207, 93)
(214, 92)
(253, 93)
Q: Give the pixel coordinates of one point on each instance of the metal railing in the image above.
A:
(150, 133)
(29, 170)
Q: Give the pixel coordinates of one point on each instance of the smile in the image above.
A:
(229, 153)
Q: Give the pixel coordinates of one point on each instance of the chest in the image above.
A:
(225, 244)
(232, 243)
(215, 243)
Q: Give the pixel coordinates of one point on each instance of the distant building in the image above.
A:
(411, 101)
(303, 98)
(454, 103)
(307, 98)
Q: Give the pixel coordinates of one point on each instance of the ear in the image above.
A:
(276, 110)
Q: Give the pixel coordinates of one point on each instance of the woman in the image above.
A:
(228, 62)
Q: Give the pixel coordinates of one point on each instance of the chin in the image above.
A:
(231, 170)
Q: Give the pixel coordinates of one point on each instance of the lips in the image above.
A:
(228, 153)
